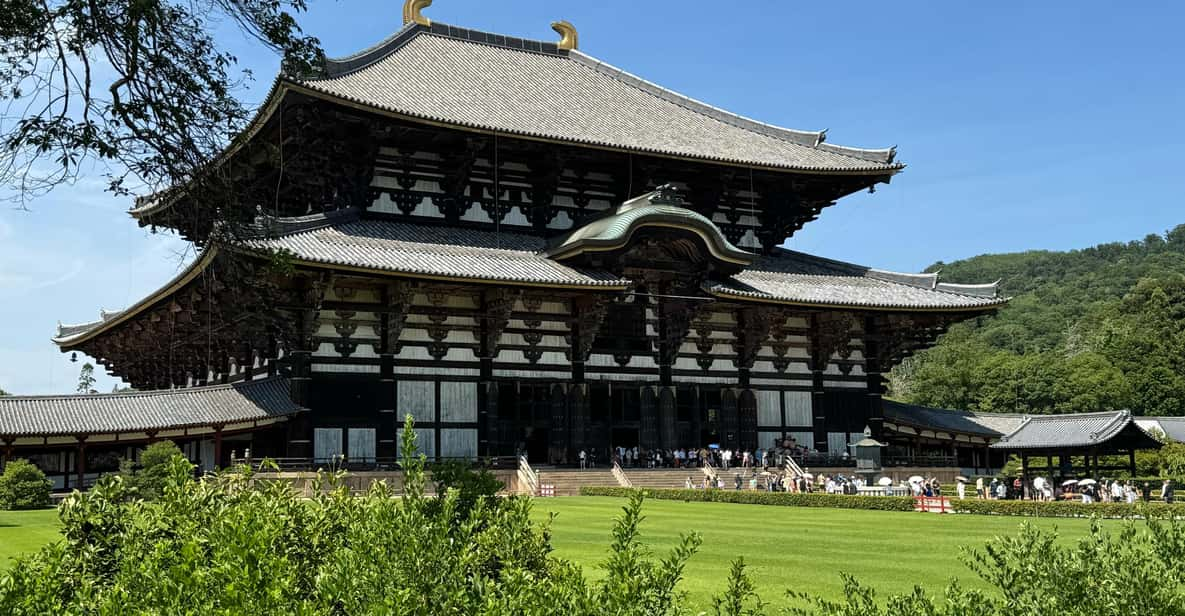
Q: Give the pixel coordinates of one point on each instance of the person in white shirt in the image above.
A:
(961, 488)
(583, 459)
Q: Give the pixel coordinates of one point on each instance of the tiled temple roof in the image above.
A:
(1076, 431)
(218, 405)
(787, 276)
(948, 420)
(346, 240)
(490, 82)
(1172, 427)
(431, 250)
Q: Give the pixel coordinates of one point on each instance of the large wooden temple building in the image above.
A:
(521, 246)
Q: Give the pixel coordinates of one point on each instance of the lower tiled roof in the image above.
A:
(795, 277)
(349, 240)
(432, 250)
(1077, 430)
(946, 420)
(145, 411)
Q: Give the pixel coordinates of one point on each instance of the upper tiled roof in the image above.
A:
(1078, 430)
(490, 82)
(795, 277)
(146, 411)
(431, 250)
(946, 420)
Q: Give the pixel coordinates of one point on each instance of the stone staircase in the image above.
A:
(568, 482)
(660, 478)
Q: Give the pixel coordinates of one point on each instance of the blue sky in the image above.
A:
(1025, 125)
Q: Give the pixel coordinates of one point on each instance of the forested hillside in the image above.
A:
(1094, 329)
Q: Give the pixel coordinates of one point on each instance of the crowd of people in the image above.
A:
(690, 457)
(1085, 490)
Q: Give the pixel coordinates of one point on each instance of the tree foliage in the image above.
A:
(23, 486)
(86, 379)
(154, 471)
(471, 485)
(1033, 573)
(1087, 330)
(142, 87)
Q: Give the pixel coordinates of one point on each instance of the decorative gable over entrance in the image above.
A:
(652, 232)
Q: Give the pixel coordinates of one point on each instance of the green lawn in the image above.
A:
(791, 547)
(785, 547)
(25, 531)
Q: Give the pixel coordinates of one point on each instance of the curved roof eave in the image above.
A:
(183, 278)
(768, 299)
(306, 88)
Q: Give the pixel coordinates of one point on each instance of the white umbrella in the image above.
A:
(808, 476)
(1070, 482)
(1087, 482)
(962, 479)
(885, 481)
(917, 479)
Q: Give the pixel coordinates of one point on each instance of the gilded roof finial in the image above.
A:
(569, 41)
(411, 12)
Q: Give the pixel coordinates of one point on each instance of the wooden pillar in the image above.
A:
(559, 440)
(80, 461)
(747, 419)
(648, 425)
(300, 431)
(491, 424)
(667, 415)
(819, 425)
(729, 422)
(1131, 462)
(578, 403)
(387, 431)
(217, 447)
(874, 380)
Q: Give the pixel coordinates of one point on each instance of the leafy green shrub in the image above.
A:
(154, 471)
(1136, 571)
(232, 544)
(472, 485)
(24, 486)
(751, 497)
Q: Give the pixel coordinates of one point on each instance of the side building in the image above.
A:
(529, 251)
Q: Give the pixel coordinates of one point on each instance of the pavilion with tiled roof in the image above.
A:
(64, 428)
(529, 251)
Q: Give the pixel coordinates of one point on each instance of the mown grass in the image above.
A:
(792, 547)
(25, 531)
(784, 547)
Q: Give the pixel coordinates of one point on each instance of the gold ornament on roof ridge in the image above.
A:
(566, 30)
(411, 12)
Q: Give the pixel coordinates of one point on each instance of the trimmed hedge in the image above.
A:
(1063, 509)
(1068, 509)
(756, 497)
